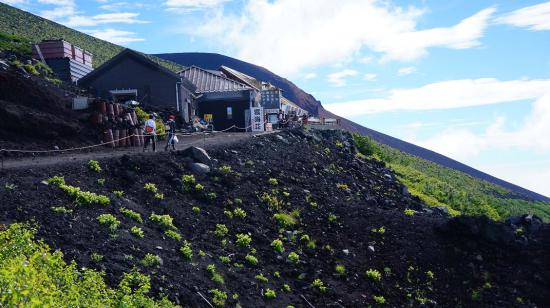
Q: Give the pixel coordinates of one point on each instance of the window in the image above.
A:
(230, 113)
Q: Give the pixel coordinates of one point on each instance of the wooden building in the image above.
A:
(131, 75)
(221, 100)
(69, 62)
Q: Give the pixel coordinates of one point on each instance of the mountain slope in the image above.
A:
(34, 28)
(307, 101)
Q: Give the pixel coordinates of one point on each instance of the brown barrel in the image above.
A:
(116, 136)
(135, 138)
(134, 117)
(115, 110)
(108, 138)
(95, 119)
(110, 110)
(140, 136)
(102, 107)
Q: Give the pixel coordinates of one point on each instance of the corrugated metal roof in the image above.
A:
(207, 81)
(242, 77)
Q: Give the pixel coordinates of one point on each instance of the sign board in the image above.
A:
(257, 119)
(208, 117)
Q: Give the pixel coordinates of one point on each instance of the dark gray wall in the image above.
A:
(154, 87)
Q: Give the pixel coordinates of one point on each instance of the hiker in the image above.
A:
(150, 132)
(172, 139)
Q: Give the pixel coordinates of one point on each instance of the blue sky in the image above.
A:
(468, 79)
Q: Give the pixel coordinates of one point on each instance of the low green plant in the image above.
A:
(151, 187)
(380, 230)
(277, 245)
(219, 297)
(228, 213)
(409, 212)
(311, 244)
(342, 186)
(243, 240)
(238, 212)
(202, 253)
(238, 201)
(37, 277)
(251, 259)
(261, 278)
(277, 274)
(286, 194)
(101, 182)
(221, 230)
(379, 299)
(293, 257)
(215, 276)
(196, 210)
(158, 196)
(318, 283)
(131, 214)
(332, 217)
(118, 193)
(61, 209)
(273, 182)
(173, 235)
(165, 221)
(304, 238)
(374, 274)
(339, 144)
(430, 274)
(151, 260)
(211, 196)
(94, 166)
(187, 251)
(110, 221)
(249, 163)
(285, 219)
(225, 259)
(80, 197)
(10, 186)
(96, 257)
(137, 231)
(235, 296)
(225, 169)
(340, 269)
(287, 288)
(199, 187)
(270, 294)
(271, 200)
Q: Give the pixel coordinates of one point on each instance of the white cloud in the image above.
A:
(338, 79)
(370, 77)
(191, 5)
(115, 36)
(366, 60)
(310, 76)
(109, 18)
(446, 95)
(293, 35)
(406, 71)
(536, 17)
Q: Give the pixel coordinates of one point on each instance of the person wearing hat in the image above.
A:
(150, 133)
(171, 127)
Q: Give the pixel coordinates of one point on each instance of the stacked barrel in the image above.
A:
(119, 125)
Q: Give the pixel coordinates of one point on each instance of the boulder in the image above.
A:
(198, 155)
(199, 168)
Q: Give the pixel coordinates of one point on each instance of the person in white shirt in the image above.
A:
(150, 133)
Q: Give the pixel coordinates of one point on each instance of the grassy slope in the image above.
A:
(35, 29)
(459, 192)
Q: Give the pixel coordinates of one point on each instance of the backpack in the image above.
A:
(148, 129)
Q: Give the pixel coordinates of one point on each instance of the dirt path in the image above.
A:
(205, 141)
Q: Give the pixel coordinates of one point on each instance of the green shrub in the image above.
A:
(374, 275)
(409, 212)
(173, 235)
(131, 214)
(165, 221)
(151, 260)
(318, 283)
(273, 182)
(340, 269)
(211, 196)
(293, 257)
(285, 219)
(96, 257)
(110, 221)
(271, 200)
(261, 278)
(287, 288)
(379, 299)
(37, 277)
(226, 169)
(342, 186)
(365, 145)
(249, 163)
(238, 212)
(228, 213)
(221, 230)
(196, 209)
(270, 294)
(80, 197)
(219, 297)
(199, 187)
(251, 259)
(277, 245)
(243, 240)
(118, 193)
(56, 180)
(151, 187)
(94, 166)
(158, 196)
(332, 217)
(380, 230)
(101, 182)
(186, 250)
(136, 231)
(304, 238)
(61, 209)
(311, 244)
(31, 69)
(188, 181)
(216, 277)
(225, 259)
